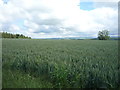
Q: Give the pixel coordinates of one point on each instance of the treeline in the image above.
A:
(9, 35)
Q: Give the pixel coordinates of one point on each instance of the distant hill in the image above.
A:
(111, 38)
(89, 38)
(115, 38)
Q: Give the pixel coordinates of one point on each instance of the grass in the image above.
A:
(17, 79)
(60, 63)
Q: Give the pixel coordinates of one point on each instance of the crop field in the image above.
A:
(60, 63)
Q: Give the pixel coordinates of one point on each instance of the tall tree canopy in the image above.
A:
(103, 35)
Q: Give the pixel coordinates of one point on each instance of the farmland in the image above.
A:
(60, 63)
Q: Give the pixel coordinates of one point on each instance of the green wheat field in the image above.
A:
(36, 63)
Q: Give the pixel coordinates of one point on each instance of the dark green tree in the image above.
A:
(17, 35)
(103, 35)
(9, 35)
(21, 36)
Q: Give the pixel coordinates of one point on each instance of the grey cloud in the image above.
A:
(37, 10)
(106, 4)
(51, 29)
(51, 21)
(48, 21)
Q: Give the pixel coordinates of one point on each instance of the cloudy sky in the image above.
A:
(59, 18)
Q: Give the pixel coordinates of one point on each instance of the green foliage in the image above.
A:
(103, 35)
(63, 63)
(9, 35)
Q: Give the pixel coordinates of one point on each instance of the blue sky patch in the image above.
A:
(87, 6)
(5, 1)
(19, 22)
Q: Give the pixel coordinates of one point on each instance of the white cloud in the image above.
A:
(99, 0)
(57, 18)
